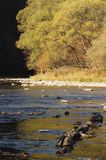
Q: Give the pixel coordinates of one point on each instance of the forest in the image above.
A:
(63, 34)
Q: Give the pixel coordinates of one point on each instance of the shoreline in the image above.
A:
(27, 82)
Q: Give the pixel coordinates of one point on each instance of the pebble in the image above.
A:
(26, 89)
(32, 113)
(64, 101)
(24, 84)
(13, 84)
(88, 89)
(45, 96)
(104, 107)
(43, 130)
(32, 85)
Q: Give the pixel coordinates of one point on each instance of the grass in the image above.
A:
(71, 74)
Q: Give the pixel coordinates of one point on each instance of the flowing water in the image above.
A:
(28, 121)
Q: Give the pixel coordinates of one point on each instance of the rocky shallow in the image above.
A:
(26, 82)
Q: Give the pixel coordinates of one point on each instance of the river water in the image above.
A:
(28, 121)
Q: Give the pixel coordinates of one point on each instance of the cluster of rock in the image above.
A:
(20, 113)
(79, 131)
(10, 113)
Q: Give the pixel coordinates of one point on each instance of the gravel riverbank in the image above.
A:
(25, 82)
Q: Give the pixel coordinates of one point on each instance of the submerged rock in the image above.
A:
(44, 95)
(78, 123)
(69, 138)
(59, 97)
(79, 131)
(56, 116)
(96, 117)
(66, 113)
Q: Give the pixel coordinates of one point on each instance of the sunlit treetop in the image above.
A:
(59, 33)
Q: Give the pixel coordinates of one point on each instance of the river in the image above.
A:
(32, 119)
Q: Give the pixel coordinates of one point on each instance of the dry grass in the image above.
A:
(67, 74)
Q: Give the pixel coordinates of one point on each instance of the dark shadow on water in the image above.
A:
(12, 154)
(9, 133)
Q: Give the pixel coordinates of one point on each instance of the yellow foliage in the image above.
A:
(43, 63)
(59, 33)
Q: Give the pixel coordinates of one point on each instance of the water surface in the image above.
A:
(29, 110)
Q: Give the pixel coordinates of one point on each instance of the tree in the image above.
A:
(76, 25)
(61, 30)
(97, 53)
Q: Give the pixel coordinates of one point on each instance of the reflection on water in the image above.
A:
(31, 121)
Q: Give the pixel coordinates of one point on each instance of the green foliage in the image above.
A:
(61, 30)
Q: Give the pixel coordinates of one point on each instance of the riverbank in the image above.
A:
(72, 75)
(27, 82)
